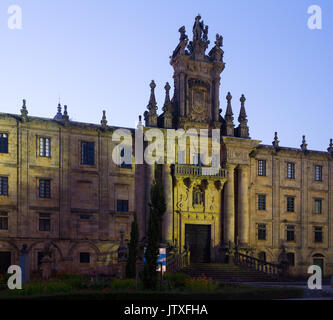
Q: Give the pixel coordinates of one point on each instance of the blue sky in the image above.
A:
(103, 54)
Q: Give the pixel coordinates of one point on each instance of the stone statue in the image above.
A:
(205, 34)
(219, 40)
(183, 35)
(197, 28)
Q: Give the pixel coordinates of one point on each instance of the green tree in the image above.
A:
(157, 208)
(133, 249)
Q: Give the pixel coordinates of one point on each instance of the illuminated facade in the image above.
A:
(60, 185)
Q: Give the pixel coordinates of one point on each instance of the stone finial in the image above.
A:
(140, 122)
(304, 145)
(104, 121)
(229, 117)
(330, 148)
(243, 129)
(167, 103)
(58, 116)
(151, 114)
(65, 116)
(276, 141)
(242, 114)
(152, 105)
(24, 111)
(167, 108)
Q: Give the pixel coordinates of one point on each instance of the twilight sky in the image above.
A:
(102, 54)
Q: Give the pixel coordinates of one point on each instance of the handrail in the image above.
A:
(271, 269)
(178, 262)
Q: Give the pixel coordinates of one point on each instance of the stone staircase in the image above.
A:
(226, 272)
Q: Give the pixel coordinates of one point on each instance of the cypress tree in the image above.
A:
(133, 249)
(157, 208)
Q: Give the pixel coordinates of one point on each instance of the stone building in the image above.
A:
(60, 185)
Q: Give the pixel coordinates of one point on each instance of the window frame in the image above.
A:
(2, 141)
(261, 232)
(318, 178)
(86, 153)
(47, 189)
(4, 187)
(43, 150)
(290, 230)
(262, 168)
(290, 208)
(43, 219)
(259, 208)
(317, 232)
(317, 200)
(291, 172)
(4, 220)
(122, 208)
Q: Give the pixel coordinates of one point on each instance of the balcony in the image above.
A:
(198, 171)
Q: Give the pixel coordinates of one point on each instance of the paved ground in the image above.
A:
(326, 293)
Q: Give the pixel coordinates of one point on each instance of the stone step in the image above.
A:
(225, 272)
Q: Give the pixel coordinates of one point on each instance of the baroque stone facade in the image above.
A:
(61, 189)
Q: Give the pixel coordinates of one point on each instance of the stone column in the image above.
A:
(217, 100)
(243, 205)
(229, 212)
(168, 215)
(182, 94)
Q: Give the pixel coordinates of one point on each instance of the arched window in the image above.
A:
(198, 196)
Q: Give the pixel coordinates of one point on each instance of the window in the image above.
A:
(262, 168)
(318, 206)
(44, 188)
(261, 231)
(122, 205)
(318, 234)
(44, 222)
(4, 186)
(261, 202)
(3, 221)
(84, 257)
(291, 258)
(3, 143)
(290, 233)
(197, 159)
(198, 196)
(84, 217)
(182, 157)
(290, 170)
(44, 147)
(290, 204)
(318, 173)
(88, 153)
(125, 165)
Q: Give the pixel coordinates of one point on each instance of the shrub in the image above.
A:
(47, 287)
(175, 280)
(3, 281)
(123, 284)
(200, 284)
(76, 281)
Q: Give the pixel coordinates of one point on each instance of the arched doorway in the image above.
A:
(318, 260)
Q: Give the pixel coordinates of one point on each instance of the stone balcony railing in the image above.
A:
(198, 171)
